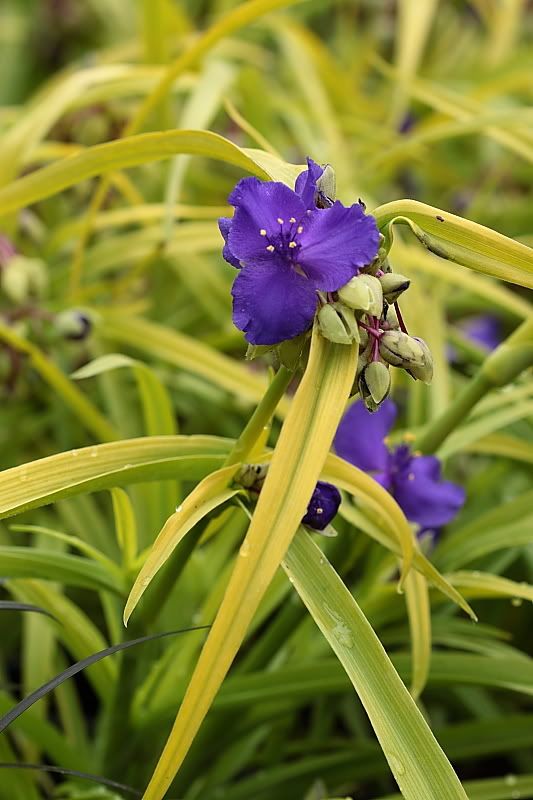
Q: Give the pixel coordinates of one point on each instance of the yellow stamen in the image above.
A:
(300, 229)
(271, 248)
(292, 244)
(262, 232)
(280, 221)
(292, 219)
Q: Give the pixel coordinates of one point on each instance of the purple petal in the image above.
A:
(272, 303)
(323, 506)
(305, 185)
(224, 226)
(483, 329)
(335, 242)
(259, 208)
(424, 498)
(360, 438)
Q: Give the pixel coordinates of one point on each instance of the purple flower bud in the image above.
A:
(323, 506)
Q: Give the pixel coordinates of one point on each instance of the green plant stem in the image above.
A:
(500, 368)
(157, 597)
(261, 417)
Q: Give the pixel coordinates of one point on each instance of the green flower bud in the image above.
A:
(355, 294)
(375, 307)
(333, 326)
(24, 277)
(327, 183)
(393, 284)
(401, 350)
(423, 373)
(391, 317)
(374, 384)
(73, 324)
(251, 476)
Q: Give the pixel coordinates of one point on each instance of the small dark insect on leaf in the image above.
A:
(440, 219)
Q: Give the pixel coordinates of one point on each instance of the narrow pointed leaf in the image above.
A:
(208, 495)
(417, 762)
(302, 446)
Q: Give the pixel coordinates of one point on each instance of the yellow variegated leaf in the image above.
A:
(208, 494)
(461, 240)
(415, 758)
(419, 612)
(358, 483)
(420, 562)
(302, 446)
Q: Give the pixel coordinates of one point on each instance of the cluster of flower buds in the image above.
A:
(365, 310)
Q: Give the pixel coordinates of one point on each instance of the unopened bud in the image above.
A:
(375, 307)
(401, 350)
(24, 277)
(391, 317)
(423, 373)
(251, 476)
(374, 384)
(355, 294)
(393, 285)
(332, 326)
(327, 184)
(74, 325)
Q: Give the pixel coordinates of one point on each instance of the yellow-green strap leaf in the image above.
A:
(417, 762)
(208, 494)
(304, 441)
(461, 240)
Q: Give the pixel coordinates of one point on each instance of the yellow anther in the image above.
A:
(411, 476)
(271, 248)
(280, 221)
(262, 232)
(300, 229)
(292, 219)
(320, 511)
(293, 244)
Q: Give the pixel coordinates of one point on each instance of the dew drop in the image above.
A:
(510, 780)
(396, 765)
(73, 453)
(321, 561)
(94, 452)
(245, 549)
(178, 509)
(517, 602)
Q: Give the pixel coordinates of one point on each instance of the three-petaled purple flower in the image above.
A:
(287, 249)
(413, 480)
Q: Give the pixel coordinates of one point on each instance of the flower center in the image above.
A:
(400, 460)
(285, 241)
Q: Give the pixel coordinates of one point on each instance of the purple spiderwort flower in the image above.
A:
(413, 480)
(286, 249)
(483, 330)
(323, 506)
